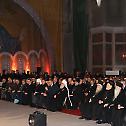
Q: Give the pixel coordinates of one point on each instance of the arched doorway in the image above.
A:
(44, 63)
(6, 62)
(21, 62)
(33, 59)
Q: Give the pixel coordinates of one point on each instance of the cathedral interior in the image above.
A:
(54, 56)
(62, 35)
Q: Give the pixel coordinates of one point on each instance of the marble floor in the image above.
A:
(17, 115)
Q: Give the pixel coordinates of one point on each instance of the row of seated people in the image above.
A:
(103, 100)
(51, 94)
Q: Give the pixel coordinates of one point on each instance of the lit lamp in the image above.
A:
(27, 67)
(31, 120)
(37, 119)
(98, 2)
(123, 55)
(14, 66)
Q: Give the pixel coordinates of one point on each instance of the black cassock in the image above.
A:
(61, 96)
(51, 102)
(35, 95)
(95, 106)
(116, 113)
(42, 98)
(88, 105)
(102, 111)
(25, 98)
(85, 107)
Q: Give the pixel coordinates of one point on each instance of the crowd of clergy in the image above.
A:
(99, 98)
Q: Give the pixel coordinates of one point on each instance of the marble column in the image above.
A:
(68, 54)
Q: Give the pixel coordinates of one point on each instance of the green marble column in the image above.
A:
(80, 31)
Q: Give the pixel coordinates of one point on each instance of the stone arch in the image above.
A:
(6, 53)
(40, 23)
(33, 51)
(44, 62)
(33, 58)
(43, 52)
(20, 52)
(20, 61)
(6, 61)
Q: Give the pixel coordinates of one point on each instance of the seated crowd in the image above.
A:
(100, 98)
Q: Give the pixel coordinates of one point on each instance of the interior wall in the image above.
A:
(110, 13)
(51, 13)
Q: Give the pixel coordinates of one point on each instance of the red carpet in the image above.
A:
(72, 112)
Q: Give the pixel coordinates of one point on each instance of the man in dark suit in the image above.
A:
(25, 90)
(52, 91)
(36, 93)
(42, 94)
(88, 91)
